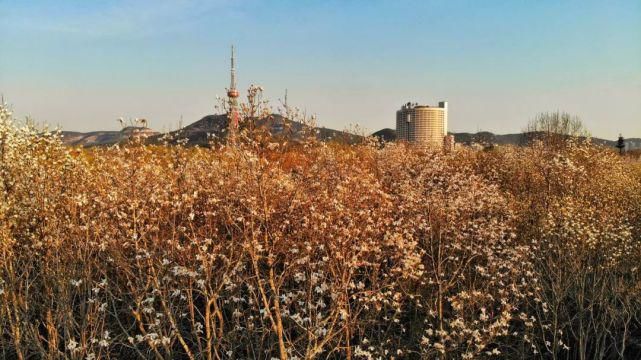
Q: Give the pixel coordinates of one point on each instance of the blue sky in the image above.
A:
(82, 64)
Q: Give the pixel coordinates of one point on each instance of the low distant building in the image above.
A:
(422, 125)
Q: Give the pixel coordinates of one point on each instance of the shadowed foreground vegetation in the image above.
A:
(314, 250)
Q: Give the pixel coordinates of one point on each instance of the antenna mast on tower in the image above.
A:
(232, 95)
(232, 86)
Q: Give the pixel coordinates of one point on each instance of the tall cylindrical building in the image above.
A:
(422, 124)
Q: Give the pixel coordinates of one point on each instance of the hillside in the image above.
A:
(199, 132)
(506, 139)
(98, 138)
(214, 126)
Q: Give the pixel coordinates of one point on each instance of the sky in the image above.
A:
(82, 64)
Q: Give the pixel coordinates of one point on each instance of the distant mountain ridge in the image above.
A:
(214, 127)
(506, 139)
(201, 132)
(98, 138)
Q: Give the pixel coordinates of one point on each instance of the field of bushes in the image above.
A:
(316, 250)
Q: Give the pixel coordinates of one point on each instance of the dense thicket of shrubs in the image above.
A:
(315, 250)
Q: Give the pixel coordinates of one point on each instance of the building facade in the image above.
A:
(422, 124)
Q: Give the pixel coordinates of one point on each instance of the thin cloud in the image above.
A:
(112, 19)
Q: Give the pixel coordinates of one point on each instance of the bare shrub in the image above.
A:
(282, 248)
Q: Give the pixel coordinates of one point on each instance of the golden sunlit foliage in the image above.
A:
(315, 250)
